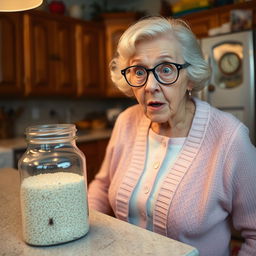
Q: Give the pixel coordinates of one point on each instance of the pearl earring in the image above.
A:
(189, 93)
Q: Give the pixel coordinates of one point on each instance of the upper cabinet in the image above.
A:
(115, 25)
(11, 58)
(90, 59)
(42, 54)
(202, 22)
(49, 52)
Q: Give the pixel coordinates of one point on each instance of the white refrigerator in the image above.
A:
(232, 84)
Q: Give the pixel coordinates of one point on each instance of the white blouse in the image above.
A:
(161, 154)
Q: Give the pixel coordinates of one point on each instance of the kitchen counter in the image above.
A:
(20, 142)
(107, 235)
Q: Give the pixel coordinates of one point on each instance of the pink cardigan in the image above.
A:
(213, 178)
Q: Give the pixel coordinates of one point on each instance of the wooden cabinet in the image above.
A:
(90, 59)
(224, 12)
(49, 52)
(94, 152)
(115, 25)
(11, 60)
(54, 55)
(202, 22)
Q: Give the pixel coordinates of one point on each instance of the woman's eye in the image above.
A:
(140, 72)
(167, 70)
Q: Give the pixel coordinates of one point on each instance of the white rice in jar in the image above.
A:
(54, 208)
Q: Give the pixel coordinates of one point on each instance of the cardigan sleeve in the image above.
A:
(241, 162)
(98, 188)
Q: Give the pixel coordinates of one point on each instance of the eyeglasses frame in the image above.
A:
(178, 66)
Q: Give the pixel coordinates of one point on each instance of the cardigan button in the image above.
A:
(146, 189)
(156, 164)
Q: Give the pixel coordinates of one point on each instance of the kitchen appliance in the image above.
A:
(232, 84)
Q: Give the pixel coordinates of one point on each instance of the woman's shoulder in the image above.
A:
(221, 124)
(131, 113)
(217, 117)
(129, 119)
(224, 119)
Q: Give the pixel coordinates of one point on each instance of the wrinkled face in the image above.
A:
(161, 103)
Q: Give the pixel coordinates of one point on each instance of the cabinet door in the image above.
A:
(115, 24)
(11, 62)
(225, 13)
(200, 25)
(49, 55)
(64, 41)
(90, 150)
(113, 35)
(39, 56)
(224, 17)
(94, 152)
(90, 59)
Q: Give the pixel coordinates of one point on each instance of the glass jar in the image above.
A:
(53, 191)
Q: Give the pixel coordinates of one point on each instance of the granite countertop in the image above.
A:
(20, 142)
(107, 235)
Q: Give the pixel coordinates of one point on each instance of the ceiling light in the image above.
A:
(18, 5)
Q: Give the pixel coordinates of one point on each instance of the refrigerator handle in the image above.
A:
(204, 94)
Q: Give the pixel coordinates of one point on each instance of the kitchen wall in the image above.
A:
(42, 111)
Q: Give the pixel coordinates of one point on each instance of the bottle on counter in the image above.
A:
(53, 191)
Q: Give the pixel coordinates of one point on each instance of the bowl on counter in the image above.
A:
(89, 125)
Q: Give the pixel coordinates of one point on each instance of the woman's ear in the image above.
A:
(190, 86)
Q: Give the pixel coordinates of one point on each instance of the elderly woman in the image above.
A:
(174, 164)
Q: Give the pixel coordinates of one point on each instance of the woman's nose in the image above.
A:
(152, 83)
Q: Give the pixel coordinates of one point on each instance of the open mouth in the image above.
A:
(155, 104)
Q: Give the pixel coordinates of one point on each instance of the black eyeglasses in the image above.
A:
(165, 73)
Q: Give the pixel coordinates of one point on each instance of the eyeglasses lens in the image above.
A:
(165, 73)
(136, 75)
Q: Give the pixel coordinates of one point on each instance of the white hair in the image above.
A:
(149, 28)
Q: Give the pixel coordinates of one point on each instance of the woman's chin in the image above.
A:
(157, 118)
